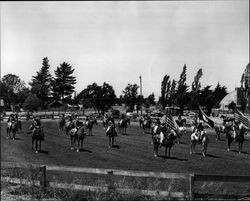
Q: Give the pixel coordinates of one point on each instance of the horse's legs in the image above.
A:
(78, 143)
(8, 131)
(240, 146)
(156, 149)
(13, 135)
(229, 141)
(204, 149)
(191, 147)
(36, 145)
(71, 140)
(32, 143)
(109, 141)
(40, 145)
(81, 143)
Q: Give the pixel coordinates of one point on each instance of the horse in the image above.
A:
(180, 131)
(78, 134)
(219, 129)
(123, 125)
(37, 136)
(12, 128)
(62, 124)
(235, 135)
(141, 120)
(106, 120)
(111, 133)
(201, 138)
(89, 125)
(167, 142)
(68, 126)
(147, 125)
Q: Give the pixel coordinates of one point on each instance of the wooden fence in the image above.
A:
(192, 195)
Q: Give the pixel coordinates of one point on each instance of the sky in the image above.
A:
(116, 42)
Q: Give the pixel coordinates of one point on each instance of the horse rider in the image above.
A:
(179, 121)
(110, 126)
(87, 121)
(37, 122)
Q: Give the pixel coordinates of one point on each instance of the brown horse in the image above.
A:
(37, 136)
(89, 125)
(235, 135)
(168, 141)
(12, 128)
(111, 133)
(77, 134)
(146, 126)
(62, 125)
(123, 125)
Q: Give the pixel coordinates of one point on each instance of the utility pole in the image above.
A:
(141, 94)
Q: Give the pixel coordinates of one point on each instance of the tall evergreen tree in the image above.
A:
(219, 93)
(164, 85)
(172, 92)
(181, 98)
(41, 83)
(196, 86)
(63, 83)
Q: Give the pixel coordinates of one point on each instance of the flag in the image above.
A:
(205, 118)
(241, 118)
(170, 122)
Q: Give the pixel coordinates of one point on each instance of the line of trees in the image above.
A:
(44, 88)
(176, 93)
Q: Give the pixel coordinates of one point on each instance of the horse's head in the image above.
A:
(95, 121)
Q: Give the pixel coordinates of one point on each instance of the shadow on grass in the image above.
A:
(116, 146)
(243, 152)
(173, 158)
(85, 150)
(208, 155)
(17, 138)
(43, 152)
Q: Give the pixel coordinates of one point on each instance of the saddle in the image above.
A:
(38, 133)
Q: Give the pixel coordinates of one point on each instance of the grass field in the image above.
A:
(134, 151)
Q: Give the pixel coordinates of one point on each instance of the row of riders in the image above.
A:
(162, 134)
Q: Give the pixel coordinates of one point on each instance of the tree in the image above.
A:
(204, 93)
(210, 101)
(11, 86)
(107, 96)
(232, 105)
(130, 95)
(151, 99)
(181, 98)
(32, 102)
(63, 84)
(219, 93)
(242, 100)
(164, 85)
(99, 97)
(172, 92)
(41, 82)
(13, 82)
(196, 85)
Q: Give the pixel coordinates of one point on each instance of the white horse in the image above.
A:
(199, 137)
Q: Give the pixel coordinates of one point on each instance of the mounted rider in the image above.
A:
(111, 127)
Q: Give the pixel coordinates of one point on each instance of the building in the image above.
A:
(245, 84)
(233, 96)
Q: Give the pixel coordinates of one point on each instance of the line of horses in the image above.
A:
(77, 131)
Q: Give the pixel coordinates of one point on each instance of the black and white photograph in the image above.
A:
(125, 100)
